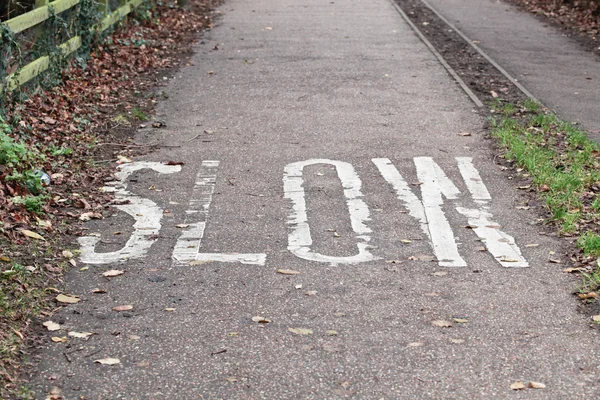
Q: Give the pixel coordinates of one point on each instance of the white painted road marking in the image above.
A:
(299, 239)
(429, 213)
(500, 244)
(187, 248)
(435, 183)
(146, 213)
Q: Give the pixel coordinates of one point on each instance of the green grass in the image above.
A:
(564, 165)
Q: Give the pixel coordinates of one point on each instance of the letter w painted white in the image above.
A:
(433, 222)
(146, 213)
(299, 239)
(187, 248)
(501, 245)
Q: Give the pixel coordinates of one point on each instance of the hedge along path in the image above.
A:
(41, 14)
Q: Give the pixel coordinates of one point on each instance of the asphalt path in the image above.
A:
(320, 137)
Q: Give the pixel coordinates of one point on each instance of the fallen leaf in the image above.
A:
(331, 333)
(415, 344)
(133, 337)
(80, 335)
(571, 270)
(57, 339)
(406, 241)
(67, 254)
(464, 134)
(298, 286)
(439, 273)
(508, 259)
(51, 326)
(113, 272)
(232, 379)
(174, 163)
(494, 94)
(288, 272)
(524, 187)
(301, 331)
(336, 235)
(268, 28)
(31, 234)
(98, 291)
(90, 215)
(62, 298)
(554, 260)
(596, 318)
(441, 323)
(536, 385)
(84, 269)
(126, 307)
(460, 320)
(585, 296)
(532, 245)
(182, 226)
(232, 334)
(310, 292)
(261, 320)
(170, 309)
(108, 361)
(517, 386)
(457, 341)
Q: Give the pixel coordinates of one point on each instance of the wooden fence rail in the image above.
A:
(29, 20)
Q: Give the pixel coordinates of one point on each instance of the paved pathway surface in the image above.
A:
(552, 66)
(320, 137)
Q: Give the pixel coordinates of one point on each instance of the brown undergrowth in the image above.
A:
(63, 143)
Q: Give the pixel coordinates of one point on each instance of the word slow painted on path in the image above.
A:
(435, 186)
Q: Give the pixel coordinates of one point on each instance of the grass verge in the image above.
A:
(564, 167)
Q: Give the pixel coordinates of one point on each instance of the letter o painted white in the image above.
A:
(299, 239)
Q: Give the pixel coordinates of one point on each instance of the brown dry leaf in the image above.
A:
(288, 272)
(415, 344)
(98, 291)
(125, 307)
(198, 262)
(182, 226)
(56, 339)
(108, 361)
(310, 292)
(63, 298)
(170, 309)
(67, 254)
(268, 28)
(84, 269)
(440, 323)
(554, 260)
(596, 318)
(336, 235)
(532, 245)
(232, 379)
(460, 320)
(508, 259)
(536, 385)
(494, 94)
(406, 241)
(261, 320)
(571, 270)
(32, 235)
(524, 187)
(585, 296)
(439, 273)
(331, 332)
(133, 337)
(301, 331)
(457, 341)
(518, 385)
(90, 215)
(113, 272)
(80, 335)
(51, 326)
(464, 134)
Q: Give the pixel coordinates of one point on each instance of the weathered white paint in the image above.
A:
(414, 206)
(472, 179)
(187, 248)
(146, 213)
(501, 245)
(299, 239)
(434, 184)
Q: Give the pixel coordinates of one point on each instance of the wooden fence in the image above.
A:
(42, 13)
